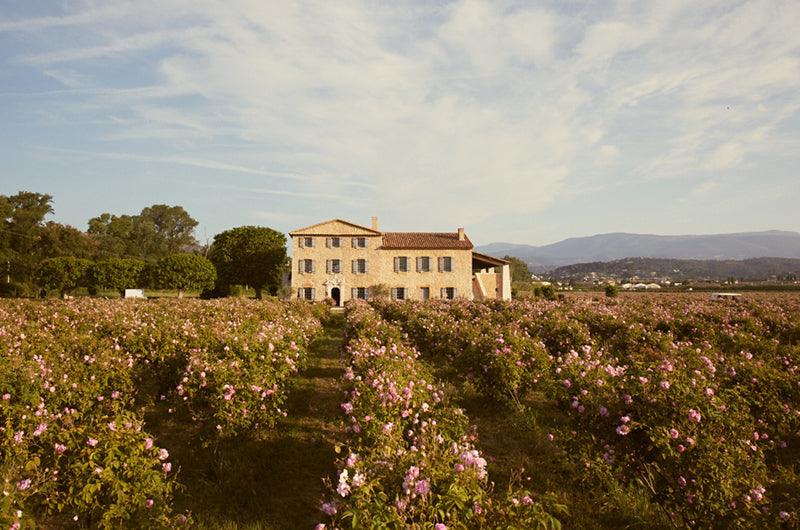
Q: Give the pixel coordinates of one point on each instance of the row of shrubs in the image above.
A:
(695, 402)
(78, 379)
(411, 460)
(66, 274)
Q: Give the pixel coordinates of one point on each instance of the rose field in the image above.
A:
(643, 411)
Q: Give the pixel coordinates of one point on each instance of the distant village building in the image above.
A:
(340, 260)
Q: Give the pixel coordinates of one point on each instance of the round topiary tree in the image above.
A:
(63, 273)
(250, 255)
(117, 273)
(181, 272)
(612, 290)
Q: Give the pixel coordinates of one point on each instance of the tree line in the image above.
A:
(154, 249)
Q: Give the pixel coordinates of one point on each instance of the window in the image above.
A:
(333, 242)
(398, 293)
(449, 293)
(306, 293)
(359, 266)
(333, 266)
(424, 293)
(446, 264)
(424, 264)
(305, 265)
(306, 242)
(359, 293)
(359, 242)
(401, 264)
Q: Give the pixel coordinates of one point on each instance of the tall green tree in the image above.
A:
(519, 269)
(113, 235)
(250, 255)
(158, 231)
(182, 272)
(63, 273)
(57, 239)
(172, 229)
(22, 229)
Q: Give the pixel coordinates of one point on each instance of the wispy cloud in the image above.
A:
(470, 109)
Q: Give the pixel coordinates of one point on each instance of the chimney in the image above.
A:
(374, 220)
(461, 236)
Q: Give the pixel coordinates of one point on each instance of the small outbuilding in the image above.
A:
(725, 296)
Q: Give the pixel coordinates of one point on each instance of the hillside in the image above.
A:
(678, 269)
(615, 246)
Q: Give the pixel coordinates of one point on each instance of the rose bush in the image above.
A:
(698, 402)
(410, 459)
(78, 377)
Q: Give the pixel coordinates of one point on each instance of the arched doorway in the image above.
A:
(336, 295)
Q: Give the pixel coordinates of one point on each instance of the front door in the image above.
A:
(336, 295)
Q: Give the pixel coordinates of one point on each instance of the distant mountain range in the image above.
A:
(682, 269)
(609, 247)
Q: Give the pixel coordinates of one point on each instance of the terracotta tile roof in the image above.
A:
(425, 240)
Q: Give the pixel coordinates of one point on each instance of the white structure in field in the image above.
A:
(134, 293)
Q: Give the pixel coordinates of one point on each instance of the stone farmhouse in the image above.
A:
(339, 260)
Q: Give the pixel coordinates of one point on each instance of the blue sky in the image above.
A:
(526, 122)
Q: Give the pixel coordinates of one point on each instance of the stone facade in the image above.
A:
(314, 275)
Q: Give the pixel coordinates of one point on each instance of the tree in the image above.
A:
(171, 227)
(57, 239)
(548, 292)
(250, 255)
(113, 235)
(158, 231)
(519, 270)
(181, 272)
(63, 273)
(117, 273)
(22, 224)
(612, 290)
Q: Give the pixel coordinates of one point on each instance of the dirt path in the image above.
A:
(274, 480)
(303, 450)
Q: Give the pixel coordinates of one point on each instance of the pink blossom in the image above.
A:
(24, 484)
(440, 526)
(682, 481)
(163, 454)
(166, 467)
(91, 442)
(623, 430)
(567, 383)
(60, 448)
(664, 384)
(673, 433)
(149, 503)
(694, 416)
(148, 443)
(423, 487)
(329, 508)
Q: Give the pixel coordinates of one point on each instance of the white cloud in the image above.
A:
(470, 110)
